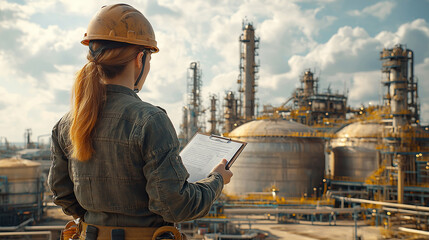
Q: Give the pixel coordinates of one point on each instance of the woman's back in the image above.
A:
(115, 158)
(134, 144)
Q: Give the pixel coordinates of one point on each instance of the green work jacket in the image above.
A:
(135, 177)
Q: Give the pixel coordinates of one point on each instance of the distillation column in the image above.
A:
(213, 120)
(230, 112)
(309, 83)
(248, 70)
(194, 99)
(402, 99)
(27, 138)
(395, 69)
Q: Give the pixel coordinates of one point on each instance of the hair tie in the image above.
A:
(94, 61)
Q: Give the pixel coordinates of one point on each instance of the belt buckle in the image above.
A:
(118, 234)
(91, 232)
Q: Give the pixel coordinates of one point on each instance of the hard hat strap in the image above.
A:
(105, 44)
(94, 54)
(136, 89)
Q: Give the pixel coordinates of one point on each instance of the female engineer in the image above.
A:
(115, 158)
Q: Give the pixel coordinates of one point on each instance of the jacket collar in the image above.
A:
(121, 89)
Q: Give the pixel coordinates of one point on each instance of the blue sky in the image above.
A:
(340, 40)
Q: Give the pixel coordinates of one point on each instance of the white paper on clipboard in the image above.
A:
(204, 152)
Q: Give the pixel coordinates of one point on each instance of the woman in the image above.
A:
(115, 158)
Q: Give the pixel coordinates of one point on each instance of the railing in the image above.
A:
(347, 179)
(43, 233)
(372, 179)
(295, 134)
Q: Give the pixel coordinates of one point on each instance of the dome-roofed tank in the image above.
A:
(354, 152)
(21, 188)
(22, 177)
(280, 153)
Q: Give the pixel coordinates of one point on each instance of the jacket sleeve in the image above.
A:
(170, 194)
(59, 180)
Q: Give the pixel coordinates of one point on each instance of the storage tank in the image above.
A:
(21, 188)
(281, 153)
(354, 154)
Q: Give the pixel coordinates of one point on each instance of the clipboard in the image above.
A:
(203, 152)
(227, 140)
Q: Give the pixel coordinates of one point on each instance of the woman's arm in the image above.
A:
(59, 180)
(170, 194)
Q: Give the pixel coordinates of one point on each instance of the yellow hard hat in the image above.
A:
(121, 23)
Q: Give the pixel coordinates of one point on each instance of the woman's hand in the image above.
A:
(221, 168)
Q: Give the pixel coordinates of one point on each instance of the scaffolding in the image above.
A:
(398, 78)
(321, 110)
(193, 113)
(403, 173)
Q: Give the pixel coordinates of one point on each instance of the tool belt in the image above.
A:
(84, 231)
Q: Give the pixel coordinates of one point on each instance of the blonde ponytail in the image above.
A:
(89, 93)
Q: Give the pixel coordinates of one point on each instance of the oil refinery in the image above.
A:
(314, 150)
(312, 158)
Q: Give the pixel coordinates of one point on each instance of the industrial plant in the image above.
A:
(315, 152)
(311, 159)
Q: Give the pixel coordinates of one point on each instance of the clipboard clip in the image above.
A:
(220, 139)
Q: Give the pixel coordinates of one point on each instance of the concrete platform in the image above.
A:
(304, 230)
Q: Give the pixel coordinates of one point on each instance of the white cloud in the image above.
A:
(29, 100)
(379, 10)
(283, 35)
(365, 88)
(26, 105)
(25, 108)
(208, 32)
(38, 60)
(351, 58)
(349, 50)
(166, 81)
(414, 35)
(62, 78)
(11, 77)
(28, 9)
(222, 82)
(6, 65)
(85, 8)
(35, 38)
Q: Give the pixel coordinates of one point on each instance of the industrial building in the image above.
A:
(192, 112)
(279, 153)
(309, 107)
(316, 148)
(384, 153)
(313, 158)
(21, 191)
